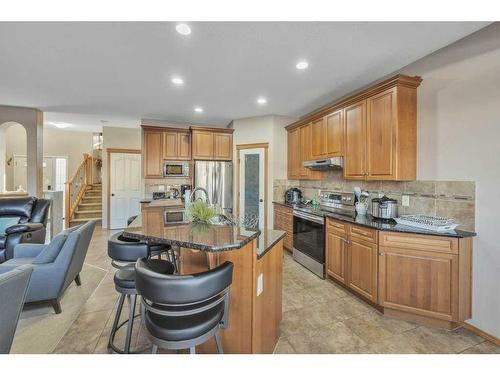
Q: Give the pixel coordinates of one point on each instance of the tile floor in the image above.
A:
(318, 317)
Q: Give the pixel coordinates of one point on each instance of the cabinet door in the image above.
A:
(380, 135)
(318, 139)
(334, 136)
(183, 146)
(305, 149)
(336, 253)
(420, 282)
(170, 145)
(362, 268)
(203, 145)
(223, 146)
(293, 153)
(355, 141)
(153, 161)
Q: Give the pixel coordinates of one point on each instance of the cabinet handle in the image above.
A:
(381, 254)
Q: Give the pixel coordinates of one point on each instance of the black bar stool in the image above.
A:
(182, 312)
(124, 252)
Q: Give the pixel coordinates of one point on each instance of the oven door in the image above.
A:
(309, 236)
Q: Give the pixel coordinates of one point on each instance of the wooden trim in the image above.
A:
(424, 320)
(165, 128)
(397, 80)
(108, 164)
(248, 146)
(252, 145)
(123, 151)
(213, 130)
(480, 332)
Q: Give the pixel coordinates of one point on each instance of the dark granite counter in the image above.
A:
(385, 225)
(267, 239)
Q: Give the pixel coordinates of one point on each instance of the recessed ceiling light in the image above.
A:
(177, 81)
(301, 65)
(198, 109)
(261, 101)
(183, 29)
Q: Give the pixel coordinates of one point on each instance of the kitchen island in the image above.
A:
(256, 292)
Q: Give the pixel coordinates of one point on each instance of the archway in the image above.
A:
(13, 158)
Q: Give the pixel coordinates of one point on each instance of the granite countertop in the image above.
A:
(384, 225)
(203, 237)
(267, 239)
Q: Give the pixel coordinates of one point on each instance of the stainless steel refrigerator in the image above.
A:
(217, 178)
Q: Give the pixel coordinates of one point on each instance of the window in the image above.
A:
(97, 141)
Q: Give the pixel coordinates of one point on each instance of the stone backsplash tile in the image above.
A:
(451, 199)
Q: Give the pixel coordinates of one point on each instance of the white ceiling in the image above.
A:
(82, 73)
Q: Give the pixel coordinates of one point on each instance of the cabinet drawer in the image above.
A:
(337, 226)
(419, 242)
(364, 233)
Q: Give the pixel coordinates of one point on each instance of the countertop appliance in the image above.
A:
(216, 177)
(339, 202)
(175, 169)
(324, 164)
(159, 195)
(293, 196)
(309, 241)
(384, 208)
(185, 188)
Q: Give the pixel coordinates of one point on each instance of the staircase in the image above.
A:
(89, 207)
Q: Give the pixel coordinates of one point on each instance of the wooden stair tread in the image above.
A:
(85, 219)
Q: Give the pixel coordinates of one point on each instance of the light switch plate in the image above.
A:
(405, 200)
(260, 284)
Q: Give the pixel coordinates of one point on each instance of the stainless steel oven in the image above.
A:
(309, 241)
(175, 169)
(174, 215)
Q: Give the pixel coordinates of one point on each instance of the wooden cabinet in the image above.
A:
(170, 145)
(351, 257)
(212, 144)
(355, 141)
(184, 146)
(334, 127)
(223, 146)
(374, 130)
(362, 268)
(299, 150)
(152, 150)
(176, 145)
(283, 220)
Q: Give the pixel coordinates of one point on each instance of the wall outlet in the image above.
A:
(260, 284)
(405, 200)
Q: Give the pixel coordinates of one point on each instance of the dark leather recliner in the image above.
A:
(33, 213)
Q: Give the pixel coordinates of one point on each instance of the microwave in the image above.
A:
(175, 169)
(175, 216)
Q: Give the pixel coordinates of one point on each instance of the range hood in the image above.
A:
(324, 164)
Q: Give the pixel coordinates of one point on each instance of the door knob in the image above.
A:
(260, 200)
(112, 195)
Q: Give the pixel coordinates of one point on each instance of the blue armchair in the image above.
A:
(55, 265)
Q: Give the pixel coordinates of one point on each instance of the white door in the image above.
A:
(125, 188)
(251, 183)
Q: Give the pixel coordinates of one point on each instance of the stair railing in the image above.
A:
(75, 188)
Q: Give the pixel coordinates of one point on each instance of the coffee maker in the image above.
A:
(185, 188)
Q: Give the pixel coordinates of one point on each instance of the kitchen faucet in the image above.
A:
(201, 189)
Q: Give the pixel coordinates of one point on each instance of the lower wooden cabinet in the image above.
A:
(425, 278)
(362, 268)
(283, 220)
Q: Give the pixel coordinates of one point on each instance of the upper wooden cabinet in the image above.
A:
(299, 150)
(152, 154)
(375, 131)
(293, 154)
(212, 144)
(177, 145)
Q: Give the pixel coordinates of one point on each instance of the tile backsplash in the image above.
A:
(451, 199)
(152, 185)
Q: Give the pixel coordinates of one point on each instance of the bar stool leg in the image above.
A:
(131, 300)
(117, 319)
(154, 350)
(218, 343)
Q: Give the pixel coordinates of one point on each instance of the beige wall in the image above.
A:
(265, 129)
(459, 139)
(55, 143)
(126, 138)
